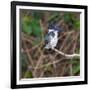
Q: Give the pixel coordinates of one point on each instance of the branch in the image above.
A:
(29, 56)
(69, 56)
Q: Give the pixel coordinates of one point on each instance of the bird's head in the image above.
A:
(53, 31)
(51, 37)
(53, 27)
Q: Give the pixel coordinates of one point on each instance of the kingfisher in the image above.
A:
(51, 37)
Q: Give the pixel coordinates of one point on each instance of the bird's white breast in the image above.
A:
(53, 40)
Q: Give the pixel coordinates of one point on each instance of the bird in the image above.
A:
(51, 37)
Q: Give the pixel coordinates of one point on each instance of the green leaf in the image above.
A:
(28, 74)
(36, 29)
(76, 69)
(70, 18)
(76, 66)
(67, 17)
(26, 27)
(26, 19)
(77, 24)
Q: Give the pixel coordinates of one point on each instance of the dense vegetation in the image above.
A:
(35, 60)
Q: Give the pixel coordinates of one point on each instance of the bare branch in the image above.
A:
(69, 56)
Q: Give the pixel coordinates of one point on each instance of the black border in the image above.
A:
(13, 44)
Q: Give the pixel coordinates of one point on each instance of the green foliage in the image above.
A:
(53, 17)
(28, 74)
(31, 26)
(76, 69)
(24, 64)
(67, 17)
(76, 66)
(37, 14)
(26, 26)
(70, 19)
(77, 24)
(36, 29)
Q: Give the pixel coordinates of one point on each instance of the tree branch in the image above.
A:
(69, 56)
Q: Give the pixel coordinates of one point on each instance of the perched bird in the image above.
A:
(51, 37)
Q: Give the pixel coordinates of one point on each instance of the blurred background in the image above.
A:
(35, 60)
